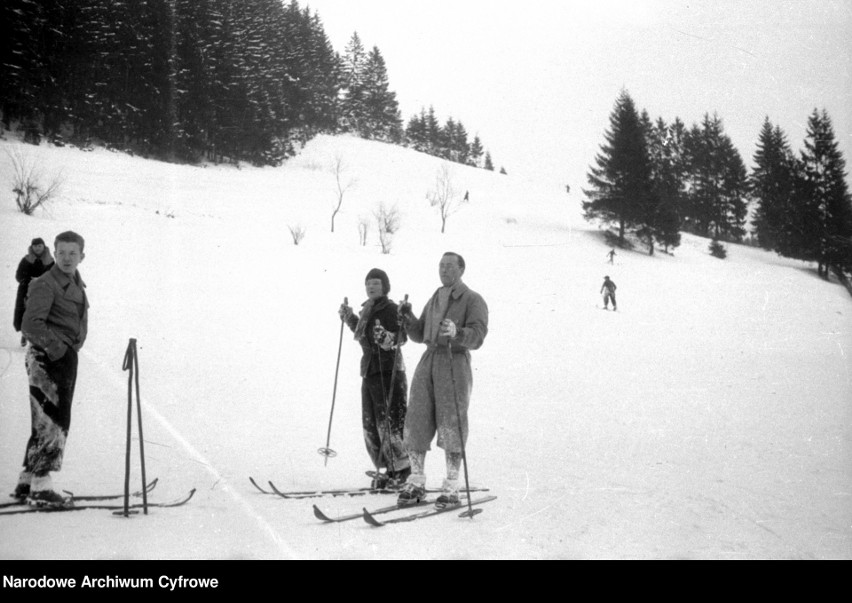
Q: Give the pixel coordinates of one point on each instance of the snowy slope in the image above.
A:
(708, 418)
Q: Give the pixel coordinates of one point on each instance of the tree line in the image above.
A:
(192, 79)
(655, 179)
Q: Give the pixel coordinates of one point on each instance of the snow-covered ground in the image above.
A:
(709, 418)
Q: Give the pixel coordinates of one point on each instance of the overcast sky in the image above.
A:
(537, 80)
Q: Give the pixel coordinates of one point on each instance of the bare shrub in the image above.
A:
(31, 186)
(443, 196)
(387, 221)
(297, 232)
(344, 183)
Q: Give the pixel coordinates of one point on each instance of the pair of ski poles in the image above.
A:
(131, 364)
(326, 451)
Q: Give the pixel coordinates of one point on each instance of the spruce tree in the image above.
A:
(621, 188)
(828, 199)
(353, 68)
(489, 165)
(415, 132)
(717, 182)
(772, 185)
(381, 119)
(476, 151)
(667, 176)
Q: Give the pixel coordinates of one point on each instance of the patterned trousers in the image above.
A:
(52, 385)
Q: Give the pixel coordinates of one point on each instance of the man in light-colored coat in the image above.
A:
(454, 321)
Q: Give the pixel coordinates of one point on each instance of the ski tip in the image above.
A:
(320, 515)
(372, 520)
(254, 483)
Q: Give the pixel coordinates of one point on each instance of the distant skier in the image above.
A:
(380, 345)
(608, 291)
(453, 322)
(55, 324)
(466, 196)
(37, 261)
(611, 255)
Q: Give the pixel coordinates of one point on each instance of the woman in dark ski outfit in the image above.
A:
(380, 345)
(37, 261)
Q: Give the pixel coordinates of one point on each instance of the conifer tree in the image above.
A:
(620, 184)
(476, 151)
(663, 219)
(353, 68)
(415, 132)
(772, 185)
(488, 163)
(715, 204)
(381, 119)
(828, 198)
(433, 131)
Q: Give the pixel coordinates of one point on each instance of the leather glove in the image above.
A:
(405, 310)
(383, 338)
(448, 328)
(344, 312)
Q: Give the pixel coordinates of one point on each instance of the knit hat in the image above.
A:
(37, 241)
(382, 276)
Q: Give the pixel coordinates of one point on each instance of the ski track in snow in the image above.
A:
(151, 409)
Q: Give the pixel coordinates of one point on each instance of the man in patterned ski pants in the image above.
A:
(55, 324)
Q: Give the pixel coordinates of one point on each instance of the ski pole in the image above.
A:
(139, 423)
(128, 366)
(386, 403)
(326, 451)
(131, 364)
(470, 510)
(400, 338)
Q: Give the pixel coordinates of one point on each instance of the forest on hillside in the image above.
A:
(185, 80)
(654, 179)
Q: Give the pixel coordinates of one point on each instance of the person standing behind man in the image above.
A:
(55, 324)
(608, 291)
(454, 321)
(382, 402)
(37, 261)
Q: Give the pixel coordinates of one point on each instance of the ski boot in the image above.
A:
(379, 480)
(22, 489)
(412, 492)
(449, 495)
(42, 494)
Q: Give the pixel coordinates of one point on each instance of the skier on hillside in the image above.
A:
(611, 256)
(383, 403)
(37, 261)
(55, 324)
(454, 321)
(608, 290)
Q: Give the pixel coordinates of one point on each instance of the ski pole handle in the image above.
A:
(345, 303)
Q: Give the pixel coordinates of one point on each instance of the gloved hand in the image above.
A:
(344, 312)
(383, 338)
(448, 328)
(405, 310)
